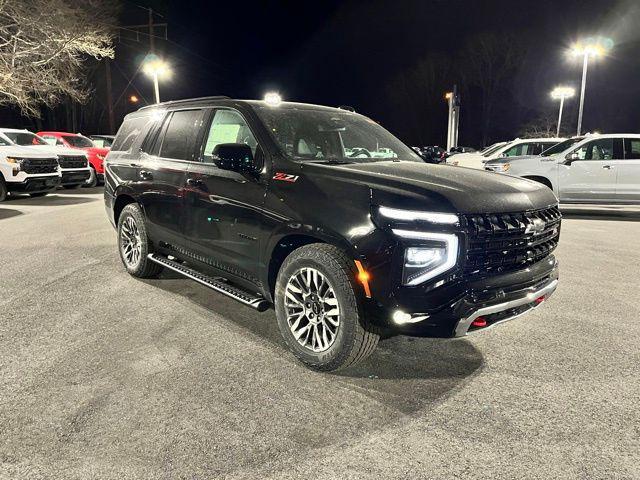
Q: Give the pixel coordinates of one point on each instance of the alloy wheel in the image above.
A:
(312, 309)
(130, 242)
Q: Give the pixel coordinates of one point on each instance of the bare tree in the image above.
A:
(43, 48)
(543, 126)
(489, 62)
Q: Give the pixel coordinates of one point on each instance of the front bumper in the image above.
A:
(75, 177)
(34, 184)
(451, 310)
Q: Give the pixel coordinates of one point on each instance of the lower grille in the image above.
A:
(510, 241)
(67, 161)
(34, 166)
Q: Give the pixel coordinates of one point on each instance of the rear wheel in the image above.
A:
(134, 244)
(317, 309)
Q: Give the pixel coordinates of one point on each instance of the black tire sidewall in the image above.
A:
(134, 211)
(341, 348)
(3, 189)
(94, 178)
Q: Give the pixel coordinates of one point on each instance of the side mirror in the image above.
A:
(236, 157)
(570, 158)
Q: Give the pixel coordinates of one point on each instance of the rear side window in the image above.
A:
(181, 134)
(632, 148)
(128, 133)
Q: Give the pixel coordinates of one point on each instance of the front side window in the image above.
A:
(632, 148)
(516, 150)
(180, 134)
(228, 126)
(561, 147)
(596, 150)
(315, 135)
(78, 141)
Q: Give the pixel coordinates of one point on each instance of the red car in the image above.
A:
(75, 140)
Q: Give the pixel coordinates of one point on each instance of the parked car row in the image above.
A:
(37, 164)
(586, 169)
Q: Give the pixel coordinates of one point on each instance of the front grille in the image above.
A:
(67, 161)
(510, 241)
(34, 166)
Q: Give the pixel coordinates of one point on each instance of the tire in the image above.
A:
(354, 338)
(93, 179)
(71, 187)
(3, 189)
(39, 194)
(134, 244)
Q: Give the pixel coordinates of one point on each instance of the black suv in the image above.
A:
(327, 216)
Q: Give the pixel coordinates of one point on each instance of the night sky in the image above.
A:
(373, 55)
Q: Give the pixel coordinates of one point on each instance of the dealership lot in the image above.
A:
(106, 376)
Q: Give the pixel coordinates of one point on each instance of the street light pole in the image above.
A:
(585, 64)
(560, 117)
(156, 89)
(561, 93)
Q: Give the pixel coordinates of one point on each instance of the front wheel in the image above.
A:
(38, 194)
(134, 244)
(318, 311)
(3, 189)
(93, 179)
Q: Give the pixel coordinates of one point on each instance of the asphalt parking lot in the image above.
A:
(106, 376)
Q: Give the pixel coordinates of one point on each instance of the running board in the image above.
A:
(216, 284)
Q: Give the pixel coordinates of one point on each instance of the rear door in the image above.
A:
(591, 176)
(163, 171)
(224, 209)
(628, 185)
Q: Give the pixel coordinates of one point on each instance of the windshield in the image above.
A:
(24, 138)
(493, 149)
(102, 142)
(78, 141)
(328, 136)
(561, 147)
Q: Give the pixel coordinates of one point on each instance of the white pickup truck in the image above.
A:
(26, 171)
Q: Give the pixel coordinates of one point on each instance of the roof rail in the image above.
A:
(186, 100)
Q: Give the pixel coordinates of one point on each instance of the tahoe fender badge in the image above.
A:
(286, 177)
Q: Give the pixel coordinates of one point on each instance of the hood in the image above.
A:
(501, 160)
(17, 150)
(441, 188)
(53, 150)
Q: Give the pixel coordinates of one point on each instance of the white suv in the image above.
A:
(25, 171)
(590, 169)
(515, 148)
(74, 164)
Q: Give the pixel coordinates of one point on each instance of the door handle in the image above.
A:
(194, 182)
(608, 167)
(146, 175)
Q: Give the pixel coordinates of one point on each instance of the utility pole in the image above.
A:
(151, 34)
(107, 69)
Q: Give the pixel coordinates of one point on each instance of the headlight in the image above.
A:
(413, 215)
(437, 254)
(499, 167)
(16, 161)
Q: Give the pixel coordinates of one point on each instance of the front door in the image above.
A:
(628, 186)
(589, 175)
(163, 172)
(223, 211)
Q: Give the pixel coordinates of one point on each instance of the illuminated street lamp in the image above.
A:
(560, 93)
(156, 68)
(590, 48)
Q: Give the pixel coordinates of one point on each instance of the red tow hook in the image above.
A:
(541, 299)
(479, 322)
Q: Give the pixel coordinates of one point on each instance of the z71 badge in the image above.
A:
(286, 177)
